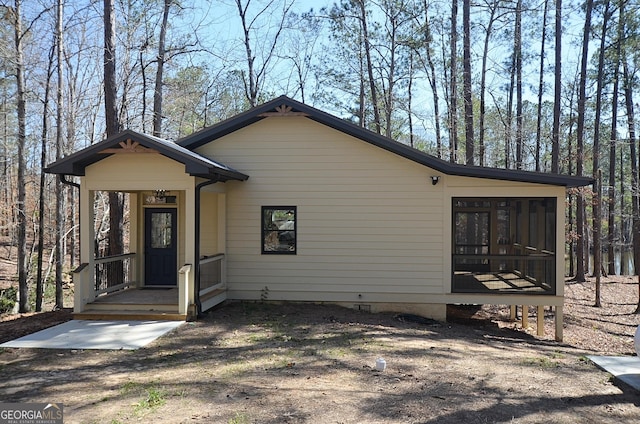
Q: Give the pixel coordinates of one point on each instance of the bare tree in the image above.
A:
(628, 94)
(367, 50)
(116, 203)
(494, 15)
(543, 42)
(157, 93)
(555, 133)
(597, 173)
(582, 100)
(23, 288)
(256, 72)
(60, 221)
(41, 196)
(453, 90)
(613, 138)
(431, 76)
(466, 65)
(518, 73)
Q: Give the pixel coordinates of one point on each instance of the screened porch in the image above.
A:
(504, 245)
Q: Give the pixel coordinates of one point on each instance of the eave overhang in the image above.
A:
(132, 142)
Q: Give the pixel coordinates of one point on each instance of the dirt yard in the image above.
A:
(266, 363)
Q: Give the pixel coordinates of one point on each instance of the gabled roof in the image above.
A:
(131, 141)
(284, 106)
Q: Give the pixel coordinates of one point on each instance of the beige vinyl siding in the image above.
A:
(209, 224)
(137, 171)
(369, 222)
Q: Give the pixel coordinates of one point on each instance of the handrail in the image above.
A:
(208, 259)
(115, 272)
(545, 256)
(111, 258)
(80, 268)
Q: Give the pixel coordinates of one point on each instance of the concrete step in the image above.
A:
(119, 306)
(129, 315)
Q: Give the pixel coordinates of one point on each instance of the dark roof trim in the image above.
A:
(257, 113)
(195, 165)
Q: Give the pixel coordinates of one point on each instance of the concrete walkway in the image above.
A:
(624, 368)
(109, 335)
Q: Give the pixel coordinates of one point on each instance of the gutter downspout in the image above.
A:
(63, 180)
(197, 244)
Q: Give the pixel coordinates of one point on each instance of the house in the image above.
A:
(285, 202)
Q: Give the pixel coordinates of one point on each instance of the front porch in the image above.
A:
(134, 304)
(117, 295)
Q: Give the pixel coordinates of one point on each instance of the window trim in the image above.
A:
(293, 250)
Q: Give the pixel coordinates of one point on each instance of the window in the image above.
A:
(279, 230)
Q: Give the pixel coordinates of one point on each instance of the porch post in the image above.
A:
(560, 265)
(559, 323)
(190, 240)
(84, 290)
(134, 247)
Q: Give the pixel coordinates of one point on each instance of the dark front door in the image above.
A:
(161, 251)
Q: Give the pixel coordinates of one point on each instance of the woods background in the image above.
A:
(537, 85)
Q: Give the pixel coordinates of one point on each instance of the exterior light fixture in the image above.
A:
(435, 179)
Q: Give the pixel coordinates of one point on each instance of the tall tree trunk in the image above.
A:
(23, 288)
(110, 86)
(256, 75)
(389, 102)
(466, 65)
(541, 84)
(635, 196)
(582, 100)
(509, 125)
(623, 220)
(432, 79)
(518, 54)
(41, 199)
(597, 172)
(60, 201)
(557, 97)
(251, 89)
(367, 52)
(611, 236)
(483, 82)
(572, 193)
(410, 99)
(453, 89)
(116, 242)
(157, 93)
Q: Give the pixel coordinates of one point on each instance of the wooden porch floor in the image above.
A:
(134, 304)
(497, 282)
(151, 296)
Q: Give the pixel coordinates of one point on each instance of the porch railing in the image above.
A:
(114, 272)
(211, 273)
(532, 273)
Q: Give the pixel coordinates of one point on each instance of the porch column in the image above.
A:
(84, 290)
(190, 240)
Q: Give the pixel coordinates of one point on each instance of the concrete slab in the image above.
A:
(624, 368)
(108, 335)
